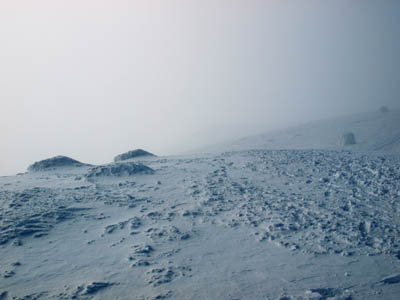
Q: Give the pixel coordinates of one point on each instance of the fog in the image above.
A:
(92, 79)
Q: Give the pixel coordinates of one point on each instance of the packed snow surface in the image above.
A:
(246, 224)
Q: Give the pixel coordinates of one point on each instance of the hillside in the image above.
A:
(374, 132)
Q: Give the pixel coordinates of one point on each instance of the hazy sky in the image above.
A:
(94, 78)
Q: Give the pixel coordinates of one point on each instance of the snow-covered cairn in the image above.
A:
(348, 139)
(54, 163)
(132, 154)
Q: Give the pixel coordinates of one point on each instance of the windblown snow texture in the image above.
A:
(247, 224)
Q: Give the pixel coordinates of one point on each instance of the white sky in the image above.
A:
(91, 79)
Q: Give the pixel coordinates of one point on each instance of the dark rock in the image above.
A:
(147, 249)
(17, 242)
(141, 263)
(94, 287)
(348, 139)
(8, 274)
(110, 228)
(135, 223)
(392, 279)
(185, 236)
(119, 169)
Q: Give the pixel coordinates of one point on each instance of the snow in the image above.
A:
(133, 154)
(256, 223)
(374, 131)
(118, 169)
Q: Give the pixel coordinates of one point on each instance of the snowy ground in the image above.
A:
(250, 224)
(374, 132)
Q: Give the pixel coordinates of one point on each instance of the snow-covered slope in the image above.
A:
(250, 224)
(375, 131)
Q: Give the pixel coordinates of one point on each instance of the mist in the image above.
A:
(93, 79)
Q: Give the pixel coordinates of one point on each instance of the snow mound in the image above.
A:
(119, 170)
(54, 163)
(132, 154)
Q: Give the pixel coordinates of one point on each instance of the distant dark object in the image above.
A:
(348, 139)
(384, 109)
(54, 163)
(132, 154)
(119, 169)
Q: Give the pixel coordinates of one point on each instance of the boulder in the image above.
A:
(348, 139)
(118, 170)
